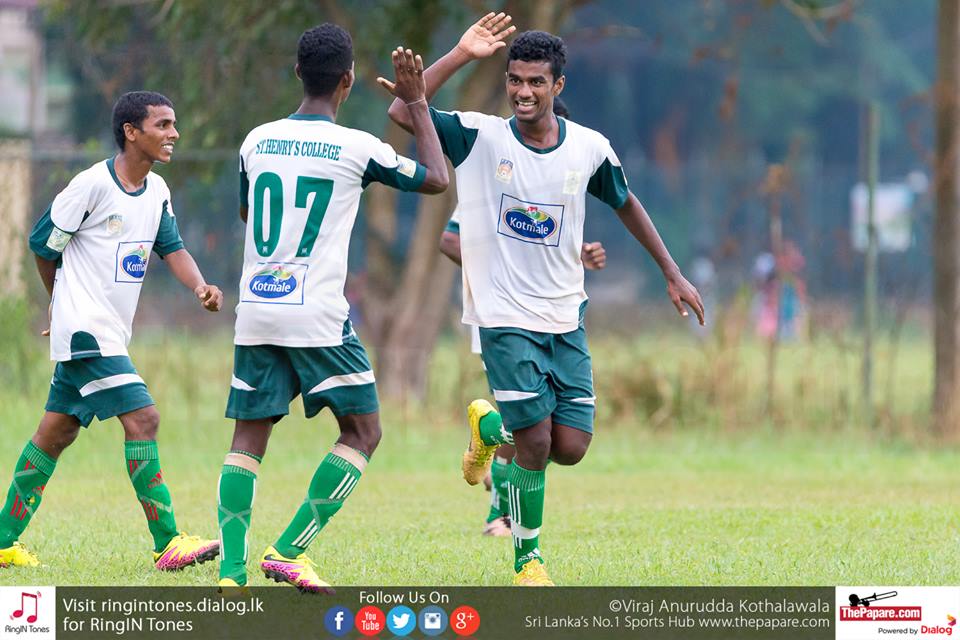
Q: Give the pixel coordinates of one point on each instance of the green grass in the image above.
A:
(688, 502)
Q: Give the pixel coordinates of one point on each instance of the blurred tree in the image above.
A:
(946, 237)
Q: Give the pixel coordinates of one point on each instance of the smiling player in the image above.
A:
(92, 248)
(521, 188)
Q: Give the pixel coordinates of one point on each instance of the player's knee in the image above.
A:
(361, 432)
(534, 450)
(142, 424)
(569, 453)
(371, 436)
(53, 441)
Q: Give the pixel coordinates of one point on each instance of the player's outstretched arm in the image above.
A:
(185, 269)
(636, 220)
(450, 246)
(409, 89)
(593, 256)
(484, 38)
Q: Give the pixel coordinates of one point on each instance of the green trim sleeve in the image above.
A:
(47, 240)
(609, 184)
(456, 140)
(453, 227)
(394, 177)
(168, 234)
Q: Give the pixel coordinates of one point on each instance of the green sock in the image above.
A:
(492, 431)
(143, 466)
(238, 481)
(499, 476)
(332, 483)
(30, 476)
(525, 491)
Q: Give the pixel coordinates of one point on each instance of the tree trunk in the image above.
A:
(14, 213)
(381, 234)
(946, 243)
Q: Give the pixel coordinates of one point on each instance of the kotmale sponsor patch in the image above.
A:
(533, 222)
(275, 283)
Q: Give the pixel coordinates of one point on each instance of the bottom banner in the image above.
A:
(807, 613)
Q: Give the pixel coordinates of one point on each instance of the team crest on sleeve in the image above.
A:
(132, 259)
(406, 166)
(58, 240)
(114, 224)
(504, 171)
(533, 222)
(275, 283)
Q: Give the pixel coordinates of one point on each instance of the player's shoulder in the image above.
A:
(474, 119)
(356, 136)
(95, 174)
(585, 135)
(156, 180)
(262, 130)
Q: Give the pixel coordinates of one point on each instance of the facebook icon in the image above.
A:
(338, 621)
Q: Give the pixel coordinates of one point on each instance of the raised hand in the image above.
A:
(486, 37)
(408, 72)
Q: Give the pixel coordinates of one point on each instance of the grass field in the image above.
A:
(676, 503)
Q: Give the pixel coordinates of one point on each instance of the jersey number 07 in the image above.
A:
(271, 182)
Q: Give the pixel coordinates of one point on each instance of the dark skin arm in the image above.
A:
(410, 91)
(450, 246)
(185, 269)
(48, 271)
(636, 220)
(481, 40)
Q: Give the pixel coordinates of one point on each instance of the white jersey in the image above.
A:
(102, 235)
(301, 179)
(521, 213)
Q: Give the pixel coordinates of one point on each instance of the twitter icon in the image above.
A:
(401, 620)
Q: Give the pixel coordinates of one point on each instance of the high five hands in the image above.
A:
(408, 74)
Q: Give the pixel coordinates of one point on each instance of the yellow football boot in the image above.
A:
(18, 555)
(184, 551)
(478, 457)
(533, 574)
(299, 571)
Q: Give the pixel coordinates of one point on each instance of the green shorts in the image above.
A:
(101, 387)
(267, 377)
(538, 375)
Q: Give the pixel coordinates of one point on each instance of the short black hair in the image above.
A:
(324, 54)
(132, 107)
(540, 46)
(560, 108)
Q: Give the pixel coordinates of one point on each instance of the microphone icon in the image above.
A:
(857, 601)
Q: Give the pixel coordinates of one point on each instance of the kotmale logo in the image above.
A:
(530, 222)
(273, 282)
(135, 262)
(338, 621)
